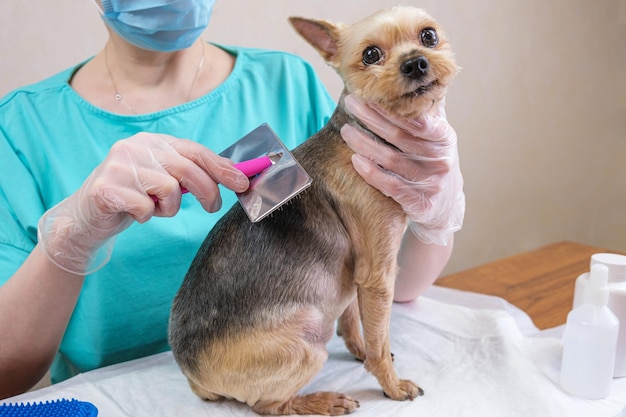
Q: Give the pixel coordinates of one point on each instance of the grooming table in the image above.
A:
(473, 354)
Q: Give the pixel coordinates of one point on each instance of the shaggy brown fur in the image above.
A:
(260, 300)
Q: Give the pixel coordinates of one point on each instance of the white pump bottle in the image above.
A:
(590, 341)
(617, 300)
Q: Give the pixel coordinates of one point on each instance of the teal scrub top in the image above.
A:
(51, 139)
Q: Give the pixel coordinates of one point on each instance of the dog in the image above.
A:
(259, 303)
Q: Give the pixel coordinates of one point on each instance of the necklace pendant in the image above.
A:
(118, 97)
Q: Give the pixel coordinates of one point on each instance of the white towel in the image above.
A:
(488, 362)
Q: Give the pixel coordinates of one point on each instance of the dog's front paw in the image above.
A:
(405, 390)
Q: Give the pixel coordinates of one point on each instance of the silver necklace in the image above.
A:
(120, 98)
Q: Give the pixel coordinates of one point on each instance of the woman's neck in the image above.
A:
(129, 80)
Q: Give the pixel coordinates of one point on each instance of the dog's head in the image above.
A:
(398, 58)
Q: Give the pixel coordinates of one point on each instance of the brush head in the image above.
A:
(57, 408)
(276, 185)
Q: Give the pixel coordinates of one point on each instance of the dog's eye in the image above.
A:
(372, 55)
(429, 37)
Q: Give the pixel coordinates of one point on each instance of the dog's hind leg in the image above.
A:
(267, 367)
(324, 403)
(301, 360)
(205, 395)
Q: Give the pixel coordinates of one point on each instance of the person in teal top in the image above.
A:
(115, 313)
(89, 262)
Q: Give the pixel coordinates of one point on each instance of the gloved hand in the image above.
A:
(422, 174)
(78, 233)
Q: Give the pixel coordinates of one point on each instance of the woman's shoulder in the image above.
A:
(261, 54)
(52, 84)
(273, 62)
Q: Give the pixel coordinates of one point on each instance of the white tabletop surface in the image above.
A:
(474, 355)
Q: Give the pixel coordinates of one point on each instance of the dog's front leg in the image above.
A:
(375, 305)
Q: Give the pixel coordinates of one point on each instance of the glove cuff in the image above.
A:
(439, 237)
(62, 239)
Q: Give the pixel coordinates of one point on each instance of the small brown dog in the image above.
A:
(260, 300)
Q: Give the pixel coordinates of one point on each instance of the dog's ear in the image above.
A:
(321, 34)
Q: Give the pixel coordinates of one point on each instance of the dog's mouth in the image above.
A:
(423, 89)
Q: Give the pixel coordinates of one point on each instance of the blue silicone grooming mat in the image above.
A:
(57, 408)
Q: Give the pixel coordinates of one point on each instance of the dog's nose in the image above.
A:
(415, 67)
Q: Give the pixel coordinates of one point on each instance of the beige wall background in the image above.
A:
(540, 106)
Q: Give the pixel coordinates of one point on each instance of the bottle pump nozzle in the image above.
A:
(597, 291)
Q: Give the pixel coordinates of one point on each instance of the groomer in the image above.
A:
(89, 263)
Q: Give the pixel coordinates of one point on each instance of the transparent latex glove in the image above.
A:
(421, 173)
(141, 177)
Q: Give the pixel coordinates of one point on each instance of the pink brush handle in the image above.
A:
(250, 168)
(254, 166)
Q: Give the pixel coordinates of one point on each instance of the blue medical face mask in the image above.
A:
(158, 25)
